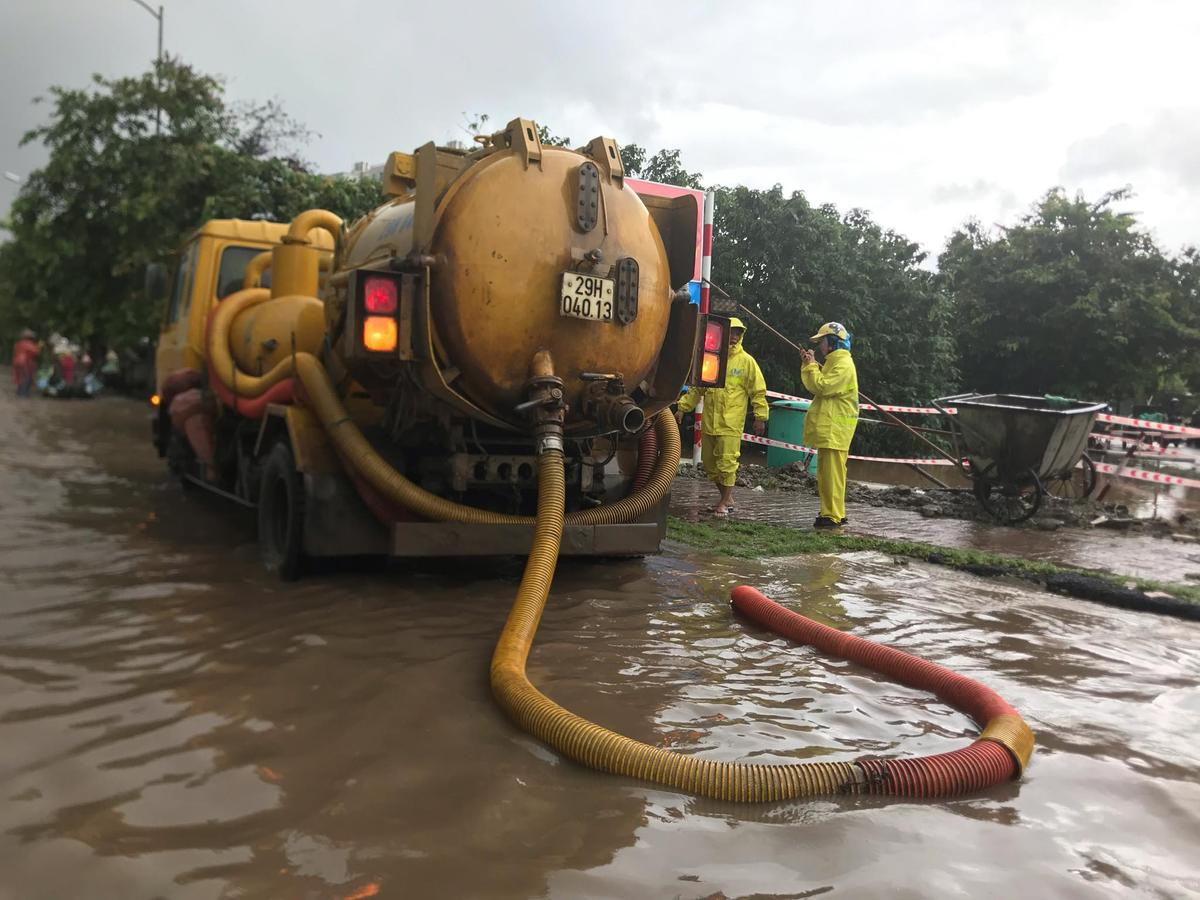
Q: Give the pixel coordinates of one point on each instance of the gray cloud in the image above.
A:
(1167, 143)
(978, 191)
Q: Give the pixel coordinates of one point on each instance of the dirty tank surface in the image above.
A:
(176, 724)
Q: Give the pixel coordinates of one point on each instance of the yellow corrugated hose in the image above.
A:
(596, 746)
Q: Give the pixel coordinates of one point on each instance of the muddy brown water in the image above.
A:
(173, 723)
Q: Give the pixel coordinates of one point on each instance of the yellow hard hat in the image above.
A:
(735, 322)
(835, 328)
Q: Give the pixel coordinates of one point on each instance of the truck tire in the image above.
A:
(180, 458)
(281, 514)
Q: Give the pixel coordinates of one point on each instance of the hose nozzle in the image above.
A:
(618, 413)
(607, 404)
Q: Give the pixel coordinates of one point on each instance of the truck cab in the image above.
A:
(209, 267)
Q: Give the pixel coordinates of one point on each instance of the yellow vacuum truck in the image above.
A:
(390, 387)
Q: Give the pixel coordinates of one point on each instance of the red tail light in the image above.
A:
(379, 316)
(379, 296)
(708, 366)
(714, 336)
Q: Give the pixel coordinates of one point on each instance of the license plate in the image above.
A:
(586, 297)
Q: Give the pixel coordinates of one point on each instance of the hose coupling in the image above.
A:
(606, 403)
(545, 404)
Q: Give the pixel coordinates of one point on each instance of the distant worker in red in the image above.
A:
(25, 358)
(831, 420)
(724, 416)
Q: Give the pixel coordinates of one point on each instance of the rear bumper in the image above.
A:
(456, 539)
(337, 523)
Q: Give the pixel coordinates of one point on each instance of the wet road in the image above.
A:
(176, 724)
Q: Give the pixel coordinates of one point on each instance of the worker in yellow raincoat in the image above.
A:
(724, 416)
(831, 420)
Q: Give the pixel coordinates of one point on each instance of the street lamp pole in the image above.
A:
(158, 69)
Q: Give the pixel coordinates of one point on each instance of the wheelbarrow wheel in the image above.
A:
(1077, 484)
(1010, 502)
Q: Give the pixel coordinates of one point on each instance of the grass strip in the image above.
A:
(750, 540)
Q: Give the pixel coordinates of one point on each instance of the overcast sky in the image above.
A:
(923, 113)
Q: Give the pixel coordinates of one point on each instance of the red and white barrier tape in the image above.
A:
(1143, 475)
(923, 410)
(755, 439)
(1106, 468)
(1146, 425)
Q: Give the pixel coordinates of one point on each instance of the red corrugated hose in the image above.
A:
(999, 754)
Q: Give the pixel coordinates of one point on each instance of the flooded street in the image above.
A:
(176, 723)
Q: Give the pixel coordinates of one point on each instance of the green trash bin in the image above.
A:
(787, 425)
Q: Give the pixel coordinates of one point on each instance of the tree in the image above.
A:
(118, 193)
(1075, 299)
(550, 139)
(664, 166)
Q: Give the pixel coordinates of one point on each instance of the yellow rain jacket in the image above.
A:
(833, 416)
(725, 408)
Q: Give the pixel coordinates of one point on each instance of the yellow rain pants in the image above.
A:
(831, 482)
(720, 454)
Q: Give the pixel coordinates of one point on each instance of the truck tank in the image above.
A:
(528, 247)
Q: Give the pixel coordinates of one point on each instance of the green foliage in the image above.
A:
(135, 164)
(550, 139)
(664, 167)
(1074, 300)
(276, 190)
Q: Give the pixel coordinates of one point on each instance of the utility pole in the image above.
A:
(158, 67)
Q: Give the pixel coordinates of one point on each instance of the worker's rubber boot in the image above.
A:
(826, 522)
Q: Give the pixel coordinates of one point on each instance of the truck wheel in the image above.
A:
(281, 514)
(180, 458)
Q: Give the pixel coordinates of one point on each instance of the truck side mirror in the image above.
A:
(156, 282)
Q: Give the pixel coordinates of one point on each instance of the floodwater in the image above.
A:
(176, 724)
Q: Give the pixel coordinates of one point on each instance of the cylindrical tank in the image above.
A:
(265, 334)
(505, 232)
